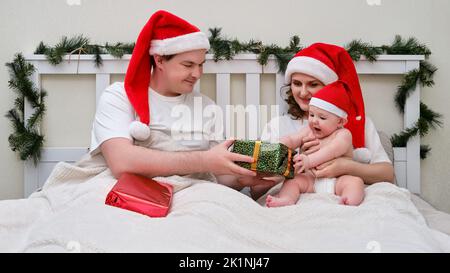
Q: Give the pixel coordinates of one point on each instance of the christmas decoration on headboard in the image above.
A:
(28, 141)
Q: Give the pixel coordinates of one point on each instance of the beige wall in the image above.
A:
(23, 24)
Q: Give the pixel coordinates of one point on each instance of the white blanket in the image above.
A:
(69, 215)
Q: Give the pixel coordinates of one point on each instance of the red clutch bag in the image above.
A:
(141, 194)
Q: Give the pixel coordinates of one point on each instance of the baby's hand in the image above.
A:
(301, 163)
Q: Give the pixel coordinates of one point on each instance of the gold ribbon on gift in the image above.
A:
(255, 155)
(288, 165)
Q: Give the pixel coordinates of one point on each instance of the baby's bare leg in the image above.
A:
(351, 190)
(290, 191)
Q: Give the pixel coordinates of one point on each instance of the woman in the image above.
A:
(311, 69)
(166, 63)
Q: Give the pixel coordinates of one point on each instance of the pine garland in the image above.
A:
(424, 76)
(81, 45)
(225, 49)
(357, 48)
(28, 142)
(26, 139)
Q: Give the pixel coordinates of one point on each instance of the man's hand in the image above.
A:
(260, 184)
(258, 180)
(219, 160)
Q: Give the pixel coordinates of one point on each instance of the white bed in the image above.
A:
(69, 215)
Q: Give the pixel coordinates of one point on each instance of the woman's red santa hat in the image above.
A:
(163, 34)
(329, 63)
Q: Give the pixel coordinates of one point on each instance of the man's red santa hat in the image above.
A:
(329, 63)
(163, 34)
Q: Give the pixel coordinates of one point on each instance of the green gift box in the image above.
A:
(270, 158)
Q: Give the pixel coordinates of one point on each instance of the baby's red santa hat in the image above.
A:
(333, 98)
(329, 63)
(336, 98)
(163, 34)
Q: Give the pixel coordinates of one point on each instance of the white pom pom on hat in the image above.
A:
(139, 130)
(362, 155)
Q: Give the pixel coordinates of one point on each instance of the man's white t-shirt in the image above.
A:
(285, 125)
(190, 115)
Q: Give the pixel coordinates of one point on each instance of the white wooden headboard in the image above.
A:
(406, 160)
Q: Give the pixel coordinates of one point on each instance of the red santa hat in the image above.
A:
(333, 98)
(163, 34)
(329, 63)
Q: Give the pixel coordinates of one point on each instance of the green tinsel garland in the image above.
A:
(28, 142)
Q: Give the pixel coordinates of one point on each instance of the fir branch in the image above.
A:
(283, 58)
(16, 121)
(357, 48)
(266, 51)
(25, 140)
(73, 43)
(19, 73)
(405, 89)
(220, 47)
(423, 127)
(38, 114)
(214, 33)
(55, 55)
(81, 45)
(19, 103)
(409, 47)
(236, 46)
(424, 151)
(428, 119)
(432, 118)
(98, 59)
(400, 140)
(41, 49)
(119, 49)
(27, 144)
(253, 46)
(225, 49)
(426, 73)
(294, 44)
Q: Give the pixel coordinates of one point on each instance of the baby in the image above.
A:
(328, 110)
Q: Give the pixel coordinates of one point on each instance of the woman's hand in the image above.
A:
(310, 144)
(219, 160)
(333, 168)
